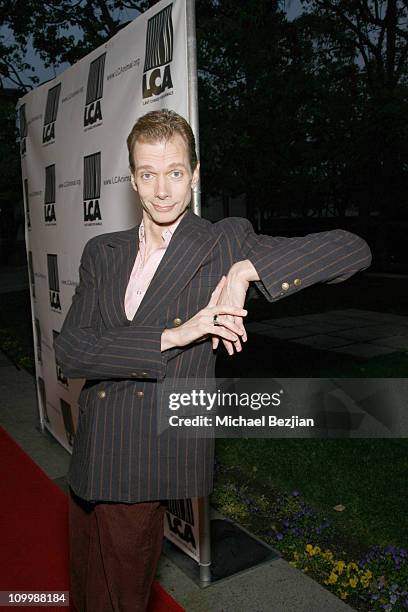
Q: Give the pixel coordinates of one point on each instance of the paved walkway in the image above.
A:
(361, 333)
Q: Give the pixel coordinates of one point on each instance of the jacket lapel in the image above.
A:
(121, 250)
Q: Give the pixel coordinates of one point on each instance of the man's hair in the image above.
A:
(161, 125)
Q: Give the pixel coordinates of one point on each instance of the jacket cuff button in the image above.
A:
(177, 321)
(285, 286)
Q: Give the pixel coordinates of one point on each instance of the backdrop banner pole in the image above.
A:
(203, 502)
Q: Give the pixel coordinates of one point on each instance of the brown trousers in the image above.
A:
(114, 552)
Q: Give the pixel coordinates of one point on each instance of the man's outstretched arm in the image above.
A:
(281, 266)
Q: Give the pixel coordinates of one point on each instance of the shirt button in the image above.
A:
(144, 374)
(139, 394)
(297, 282)
(285, 286)
(177, 322)
(101, 394)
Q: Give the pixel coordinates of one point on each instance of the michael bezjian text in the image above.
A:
(240, 421)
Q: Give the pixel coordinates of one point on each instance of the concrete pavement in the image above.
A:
(356, 332)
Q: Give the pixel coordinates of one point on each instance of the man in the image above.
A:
(152, 304)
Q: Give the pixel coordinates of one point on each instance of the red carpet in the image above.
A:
(34, 531)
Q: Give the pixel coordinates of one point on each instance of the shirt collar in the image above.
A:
(167, 232)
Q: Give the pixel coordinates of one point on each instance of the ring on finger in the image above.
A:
(215, 321)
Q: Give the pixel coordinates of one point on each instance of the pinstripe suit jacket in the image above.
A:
(117, 455)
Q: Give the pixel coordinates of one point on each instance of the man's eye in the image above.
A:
(176, 174)
(146, 176)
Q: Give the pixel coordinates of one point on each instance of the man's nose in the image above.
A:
(162, 188)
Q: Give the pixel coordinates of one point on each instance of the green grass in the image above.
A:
(368, 477)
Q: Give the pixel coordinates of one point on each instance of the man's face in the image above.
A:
(163, 179)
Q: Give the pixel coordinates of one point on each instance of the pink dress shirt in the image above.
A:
(143, 271)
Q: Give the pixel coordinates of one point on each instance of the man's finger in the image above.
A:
(226, 309)
(239, 321)
(230, 346)
(217, 292)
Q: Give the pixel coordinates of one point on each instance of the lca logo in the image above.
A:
(49, 196)
(159, 54)
(180, 520)
(50, 116)
(53, 282)
(94, 92)
(23, 129)
(92, 189)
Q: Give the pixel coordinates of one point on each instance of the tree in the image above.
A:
(241, 57)
(60, 32)
(377, 31)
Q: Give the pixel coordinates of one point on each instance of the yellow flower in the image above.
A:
(332, 579)
(368, 573)
(353, 582)
(343, 594)
(339, 566)
(309, 549)
(352, 565)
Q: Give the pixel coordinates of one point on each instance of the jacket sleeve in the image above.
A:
(286, 265)
(123, 352)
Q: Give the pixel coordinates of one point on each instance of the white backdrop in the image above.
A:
(76, 178)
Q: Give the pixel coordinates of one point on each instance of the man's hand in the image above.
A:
(234, 293)
(202, 325)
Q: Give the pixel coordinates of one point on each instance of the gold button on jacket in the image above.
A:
(101, 394)
(285, 286)
(297, 282)
(177, 322)
(139, 394)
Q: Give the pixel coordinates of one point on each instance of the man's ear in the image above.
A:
(132, 180)
(196, 176)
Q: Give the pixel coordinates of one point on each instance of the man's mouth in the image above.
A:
(161, 208)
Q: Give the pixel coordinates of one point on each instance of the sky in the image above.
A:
(293, 9)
